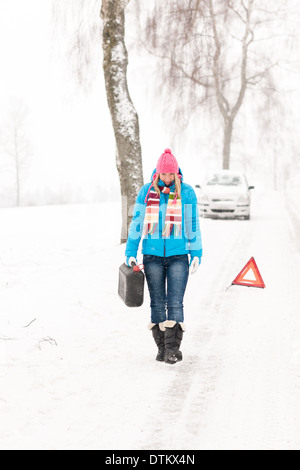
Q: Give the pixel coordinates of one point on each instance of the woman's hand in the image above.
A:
(194, 264)
(129, 260)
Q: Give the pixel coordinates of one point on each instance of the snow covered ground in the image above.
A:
(77, 366)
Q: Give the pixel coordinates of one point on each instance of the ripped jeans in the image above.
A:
(167, 280)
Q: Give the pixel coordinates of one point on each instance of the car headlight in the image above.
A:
(203, 199)
(244, 199)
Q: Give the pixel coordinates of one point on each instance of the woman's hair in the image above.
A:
(177, 185)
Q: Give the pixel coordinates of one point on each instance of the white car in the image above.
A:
(225, 194)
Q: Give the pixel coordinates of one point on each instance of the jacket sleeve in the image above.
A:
(192, 224)
(137, 224)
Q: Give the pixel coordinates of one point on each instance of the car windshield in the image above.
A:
(219, 179)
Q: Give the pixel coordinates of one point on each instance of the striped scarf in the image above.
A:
(173, 220)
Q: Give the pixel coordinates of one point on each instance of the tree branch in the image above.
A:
(216, 67)
(203, 81)
(230, 5)
(245, 47)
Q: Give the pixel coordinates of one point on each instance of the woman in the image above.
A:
(166, 215)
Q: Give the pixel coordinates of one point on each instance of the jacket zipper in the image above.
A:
(162, 229)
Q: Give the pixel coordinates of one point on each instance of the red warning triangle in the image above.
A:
(250, 276)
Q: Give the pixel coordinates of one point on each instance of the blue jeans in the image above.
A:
(167, 280)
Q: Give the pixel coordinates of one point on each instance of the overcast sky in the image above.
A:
(70, 132)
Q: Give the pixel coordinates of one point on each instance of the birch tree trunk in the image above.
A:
(228, 129)
(123, 114)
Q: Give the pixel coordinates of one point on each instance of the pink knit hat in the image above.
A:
(167, 163)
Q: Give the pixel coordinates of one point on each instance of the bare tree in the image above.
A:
(209, 54)
(86, 28)
(15, 142)
(123, 114)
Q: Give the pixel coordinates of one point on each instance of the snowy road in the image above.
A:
(83, 374)
(241, 388)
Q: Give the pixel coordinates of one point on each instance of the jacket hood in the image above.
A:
(161, 183)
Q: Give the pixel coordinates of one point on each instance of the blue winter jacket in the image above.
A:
(188, 242)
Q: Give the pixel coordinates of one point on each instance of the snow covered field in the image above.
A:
(78, 367)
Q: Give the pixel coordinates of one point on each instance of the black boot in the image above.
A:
(158, 332)
(173, 338)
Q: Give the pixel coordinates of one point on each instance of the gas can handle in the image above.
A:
(138, 267)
